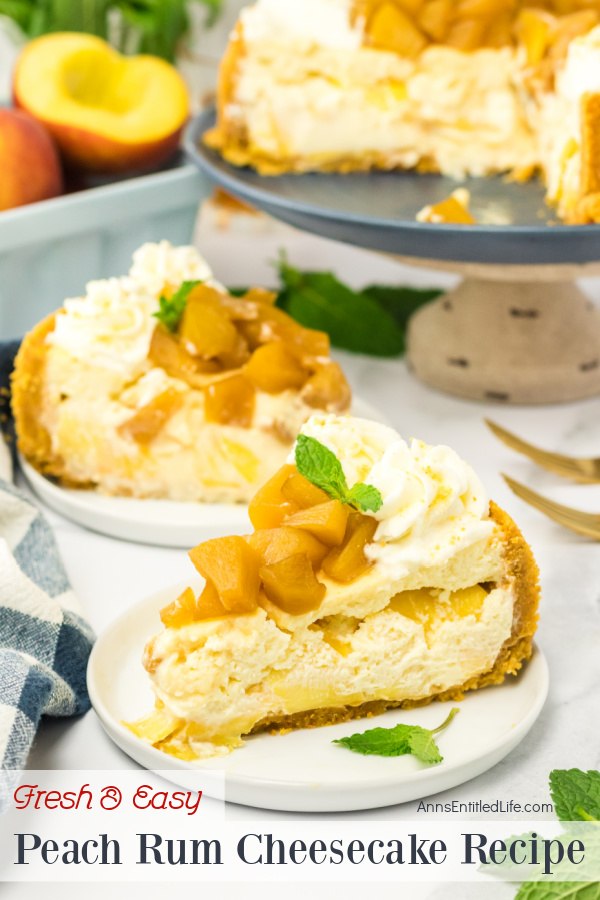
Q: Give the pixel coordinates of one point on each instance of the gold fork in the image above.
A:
(584, 523)
(586, 471)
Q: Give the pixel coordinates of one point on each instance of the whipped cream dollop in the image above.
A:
(112, 325)
(325, 23)
(434, 505)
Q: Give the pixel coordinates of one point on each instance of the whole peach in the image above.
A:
(30, 168)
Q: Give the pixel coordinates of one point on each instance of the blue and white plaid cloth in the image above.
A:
(44, 642)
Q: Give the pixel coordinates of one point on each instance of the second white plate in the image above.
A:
(303, 771)
(164, 523)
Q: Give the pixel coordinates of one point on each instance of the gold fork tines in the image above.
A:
(581, 522)
(586, 471)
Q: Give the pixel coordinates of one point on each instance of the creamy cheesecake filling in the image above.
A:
(220, 679)
(431, 604)
(129, 419)
(314, 107)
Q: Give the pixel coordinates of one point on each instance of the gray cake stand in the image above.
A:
(517, 329)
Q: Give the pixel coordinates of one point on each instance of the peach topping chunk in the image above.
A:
(146, 423)
(291, 584)
(327, 521)
(230, 401)
(231, 565)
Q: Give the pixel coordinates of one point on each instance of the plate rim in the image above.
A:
(113, 727)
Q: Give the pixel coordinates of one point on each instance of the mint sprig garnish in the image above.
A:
(401, 740)
(576, 795)
(322, 468)
(171, 309)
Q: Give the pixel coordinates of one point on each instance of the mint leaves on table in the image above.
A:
(401, 740)
(371, 321)
(576, 795)
(322, 468)
(171, 309)
(561, 890)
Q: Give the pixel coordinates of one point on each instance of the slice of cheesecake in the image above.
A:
(378, 575)
(163, 385)
(469, 88)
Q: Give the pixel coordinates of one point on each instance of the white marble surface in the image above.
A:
(108, 575)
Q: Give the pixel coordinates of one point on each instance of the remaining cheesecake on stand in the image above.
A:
(378, 575)
(163, 385)
(459, 88)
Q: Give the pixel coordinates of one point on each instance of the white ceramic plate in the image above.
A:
(303, 771)
(161, 522)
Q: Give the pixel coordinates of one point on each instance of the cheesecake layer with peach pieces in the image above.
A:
(162, 384)
(378, 575)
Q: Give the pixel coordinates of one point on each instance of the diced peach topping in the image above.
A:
(273, 369)
(209, 605)
(347, 562)
(231, 565)
(205, 328)
(327, 521)
(167, 353)
(268, 508)
(230, 401)
(181, 611)
(327, 389)
(151, 418)
(301, 492)
(275, 544)
(292, 584)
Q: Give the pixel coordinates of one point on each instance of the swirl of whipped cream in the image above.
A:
(157, 266)
(111, 326)
(434, 505)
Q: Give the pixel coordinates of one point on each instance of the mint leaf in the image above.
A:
(401, 302)
(400, 740)
(353, 320)
(172, 308)
(365, 498)
(563, 890)
(321, 467)
(576, 795)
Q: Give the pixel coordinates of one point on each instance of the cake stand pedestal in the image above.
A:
(516, 330)
(512, 334)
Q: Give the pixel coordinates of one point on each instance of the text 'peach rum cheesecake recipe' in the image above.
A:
(161, 384)
(461, 88)
(378, 575)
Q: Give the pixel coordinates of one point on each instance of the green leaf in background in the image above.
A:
(400, 740)
(576, 795)
(134, 26)
(371, 321)
(353, 321)
(401, 302)
(563, 890)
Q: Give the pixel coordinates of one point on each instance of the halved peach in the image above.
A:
(274, 544)
(327, 521)
(300, 491)
(231, 565)
(107, 112)
(273, 369)
(327, 389)
(292, 584)
(181, 611)
(230, 401)
(145, 424)
(347, 562)
(268, 508)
